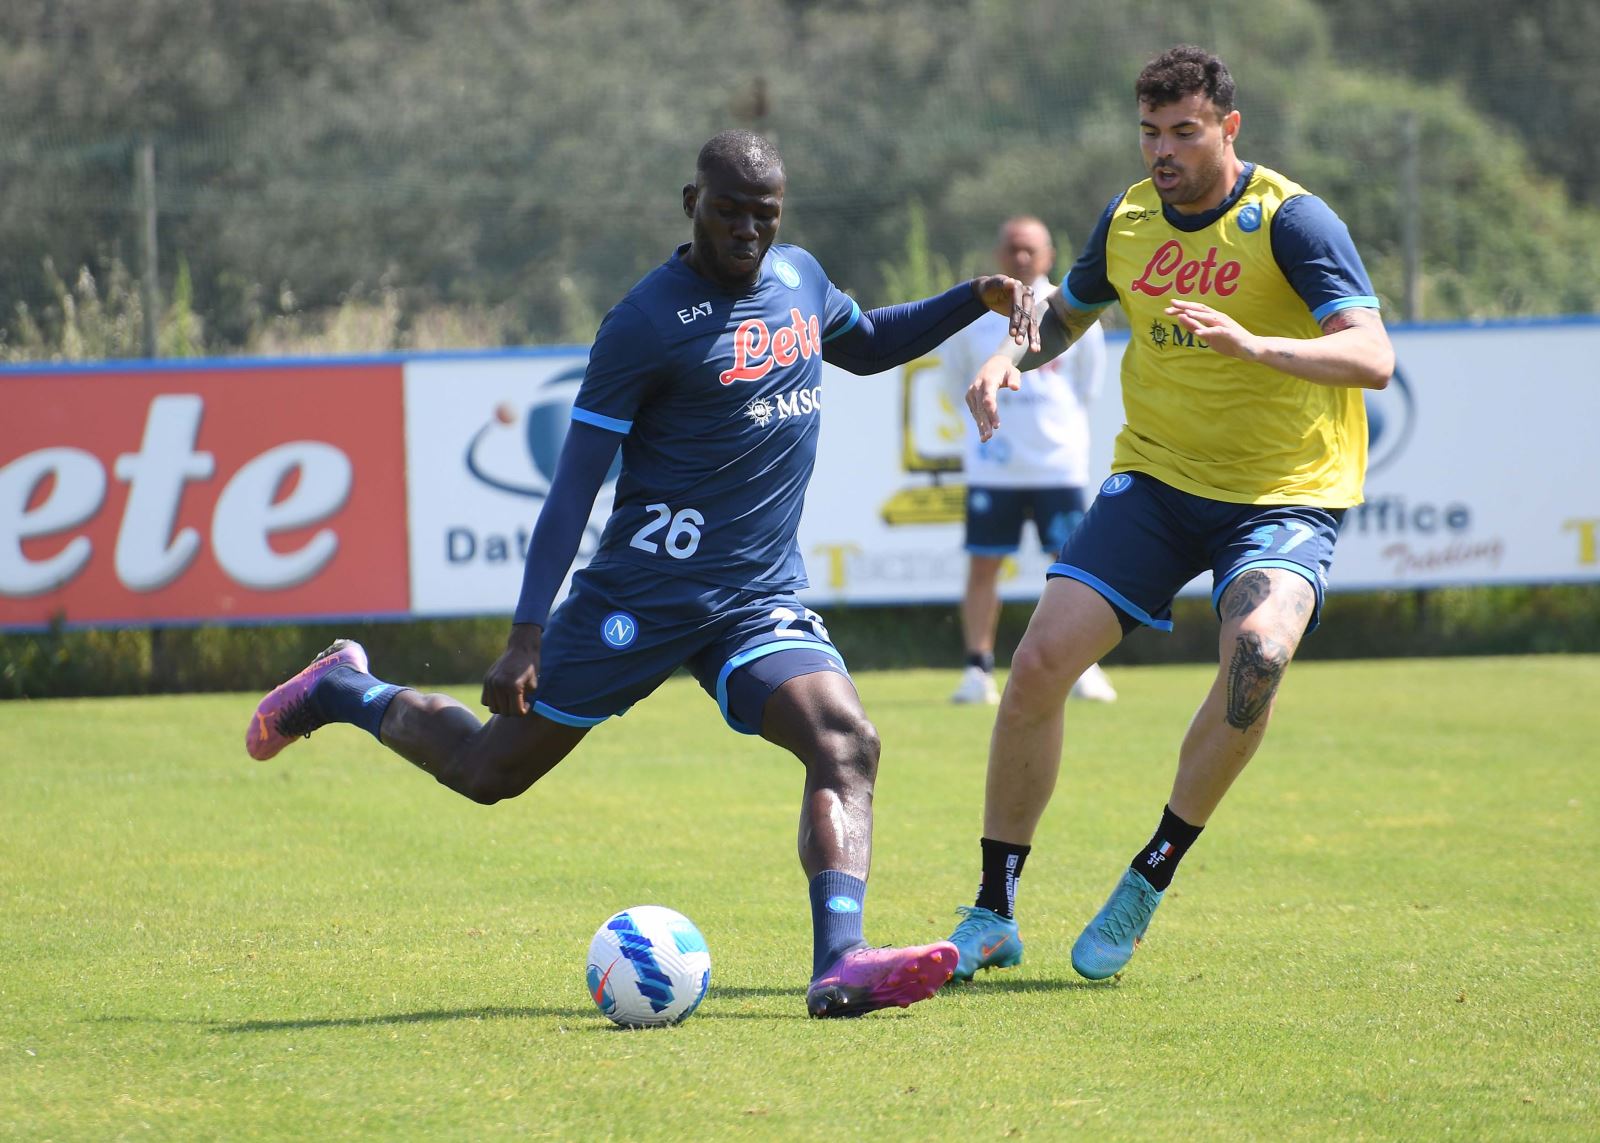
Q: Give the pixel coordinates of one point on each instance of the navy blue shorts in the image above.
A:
(995, 516)
(621, 633)
(1142, 540)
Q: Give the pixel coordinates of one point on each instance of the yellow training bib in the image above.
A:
(1211, 425)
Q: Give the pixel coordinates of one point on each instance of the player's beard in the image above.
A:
(1195, 182)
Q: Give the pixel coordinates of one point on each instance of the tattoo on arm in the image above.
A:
(1353, 318)
(1073, 320)
(1061, 327)
(1253, 677)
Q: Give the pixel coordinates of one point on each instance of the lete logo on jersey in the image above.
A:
(756, 349)
(1168, 269)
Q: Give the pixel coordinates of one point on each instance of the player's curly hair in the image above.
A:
(1181, 71)
(738, 151)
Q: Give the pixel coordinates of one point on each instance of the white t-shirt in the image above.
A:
(1043, 438)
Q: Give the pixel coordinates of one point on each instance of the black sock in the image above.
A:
(1002, 866)
(1158, 861)
(983, 660)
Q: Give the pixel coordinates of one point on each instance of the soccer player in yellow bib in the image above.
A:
(1254, 330)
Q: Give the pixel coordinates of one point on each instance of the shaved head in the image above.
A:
(736, 201)
(742, 153)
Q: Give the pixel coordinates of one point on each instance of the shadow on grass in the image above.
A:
(431, 1016)
(991, 983)
(443, 1015)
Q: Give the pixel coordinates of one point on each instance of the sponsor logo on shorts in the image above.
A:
(1116, 484)
(619, 629)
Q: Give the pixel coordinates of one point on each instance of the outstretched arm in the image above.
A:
(585, 458)
(1062, 326)
(894, 335)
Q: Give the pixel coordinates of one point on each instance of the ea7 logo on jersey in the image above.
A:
(698, 310)
(757, 349)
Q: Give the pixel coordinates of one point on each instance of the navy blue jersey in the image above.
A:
(719, 396)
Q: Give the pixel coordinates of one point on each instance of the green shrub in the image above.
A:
(1562, 618)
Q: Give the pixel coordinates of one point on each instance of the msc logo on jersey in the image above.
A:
(1250, 218)
(756, 349)
(787, 274)
(1116, 484)
(619, 629)
(797, 403)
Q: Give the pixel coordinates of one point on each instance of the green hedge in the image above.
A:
(1454, 621)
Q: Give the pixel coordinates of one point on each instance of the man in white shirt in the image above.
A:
(1037, 467)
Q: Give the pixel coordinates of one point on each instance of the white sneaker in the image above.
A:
(1094, 686)
(977, 686)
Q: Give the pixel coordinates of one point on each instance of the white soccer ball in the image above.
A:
(648, 966)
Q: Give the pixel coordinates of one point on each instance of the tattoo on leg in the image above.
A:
(1253, 678)
(1245, 594)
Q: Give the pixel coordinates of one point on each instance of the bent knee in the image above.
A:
(1041, 674)
(487, 785)
(863, 748)
(488, 790)
(850, 751)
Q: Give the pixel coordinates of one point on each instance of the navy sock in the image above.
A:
(347, 695)
(983, 660)
(1002, 866)
(835, 917)
(1158, 861)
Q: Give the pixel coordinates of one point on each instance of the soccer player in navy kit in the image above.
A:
(707, 376)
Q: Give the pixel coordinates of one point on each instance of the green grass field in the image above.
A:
(1390, 930)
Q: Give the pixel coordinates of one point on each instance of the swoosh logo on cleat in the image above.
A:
(988, 950)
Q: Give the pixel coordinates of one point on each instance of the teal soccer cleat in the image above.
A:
(985, 939)
(1107, 944)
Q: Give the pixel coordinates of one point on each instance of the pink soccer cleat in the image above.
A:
(287, 713)
(869, 979)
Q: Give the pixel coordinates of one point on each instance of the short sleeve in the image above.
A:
(1313, 248)
(840, 313)
(623, 364)
(1086, 286)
